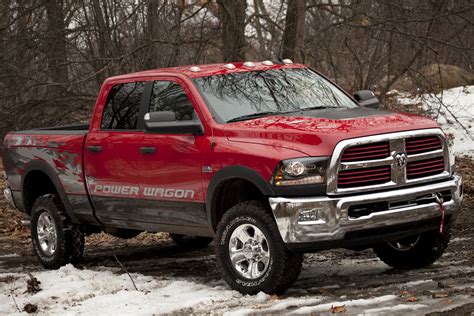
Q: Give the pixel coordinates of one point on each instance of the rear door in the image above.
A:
(170, 172)
(112, 154)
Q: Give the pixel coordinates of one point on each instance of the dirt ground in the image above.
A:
(447, 287)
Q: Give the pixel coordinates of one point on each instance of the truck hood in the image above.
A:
(316, 133)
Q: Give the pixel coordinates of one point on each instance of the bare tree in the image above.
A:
(55, 45)
(293, 35)
(232, 15)
(56, 54)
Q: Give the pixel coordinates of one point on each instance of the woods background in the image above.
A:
(54, 55)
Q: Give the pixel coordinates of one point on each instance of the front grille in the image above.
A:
(388, 160)
(364, 177)
(366, 152)
(418, 145)
(425, 168)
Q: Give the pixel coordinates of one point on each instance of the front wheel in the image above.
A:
(56, 241)
(416, 251)
(251, 255)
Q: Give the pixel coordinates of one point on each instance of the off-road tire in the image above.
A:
(429, 247)
(284, 266)
(191, 242)
(70, 239)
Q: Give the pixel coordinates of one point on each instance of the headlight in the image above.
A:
(301, 171)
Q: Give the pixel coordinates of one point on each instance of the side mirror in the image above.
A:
(165, 123)
(367, 98)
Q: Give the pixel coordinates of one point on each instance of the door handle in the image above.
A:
(148, 150)
(95, 149)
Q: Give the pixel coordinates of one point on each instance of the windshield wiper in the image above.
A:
(319, 107)
(251, 116)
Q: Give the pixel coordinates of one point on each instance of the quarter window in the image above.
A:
(170, 96)
(122, 107)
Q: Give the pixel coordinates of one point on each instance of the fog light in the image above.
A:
(308, 215)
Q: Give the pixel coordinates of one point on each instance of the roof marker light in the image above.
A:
(229, 66)
(267, 63)
(194, 69)
(287, 61)
(249, 64)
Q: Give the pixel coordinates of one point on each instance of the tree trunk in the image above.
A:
(232, 16)
(293, 35)
(56, 49)
(151, 61)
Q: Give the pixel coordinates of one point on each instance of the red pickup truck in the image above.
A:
(271, 159)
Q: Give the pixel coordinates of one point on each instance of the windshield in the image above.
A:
(246, 95)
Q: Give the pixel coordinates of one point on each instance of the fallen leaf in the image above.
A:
(338, 309)
(274, 297)
(412, 299)
(32, 285)
(440, 294)
(447, 301)
(404, 293)
(30, 308)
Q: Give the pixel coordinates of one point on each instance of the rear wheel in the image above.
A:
(191, 241)
(56, 241)
(251, 255)
(416, 251)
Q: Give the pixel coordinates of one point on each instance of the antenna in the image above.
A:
(213, 143)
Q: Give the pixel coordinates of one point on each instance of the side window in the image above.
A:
(122, 107)
(170, 96)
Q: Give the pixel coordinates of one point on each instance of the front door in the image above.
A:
(112, 154)
(170, 171)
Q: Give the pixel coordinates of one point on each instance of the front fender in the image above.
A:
(233, 172)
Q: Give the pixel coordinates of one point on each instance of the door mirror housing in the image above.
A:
(165, 122)
(367, 98)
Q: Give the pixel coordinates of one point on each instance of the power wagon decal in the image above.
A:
(134, 191)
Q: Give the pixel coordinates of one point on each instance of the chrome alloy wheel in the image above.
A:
(404, 244)
(47, 235)
(249, 251)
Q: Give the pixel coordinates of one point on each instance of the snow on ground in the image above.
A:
(107, 290)
(103, 292)
(454, 111)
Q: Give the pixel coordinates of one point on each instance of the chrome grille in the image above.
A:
(364, 176)
(425, 168)
(417, 145)
(388, 160)
(366, 152)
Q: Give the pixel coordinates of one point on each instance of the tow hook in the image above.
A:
(439, 199)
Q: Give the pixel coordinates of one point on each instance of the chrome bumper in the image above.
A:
(331, 222)
(7, 193)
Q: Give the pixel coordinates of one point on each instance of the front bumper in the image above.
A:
(7, 193)
(330, 221)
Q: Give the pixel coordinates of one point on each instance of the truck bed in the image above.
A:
(57, 152)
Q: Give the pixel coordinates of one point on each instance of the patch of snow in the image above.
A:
(458, 239)
(454, 111)
(415, 283)
(351, 303)
(9, 255)
(392, 309)
(103, 292)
